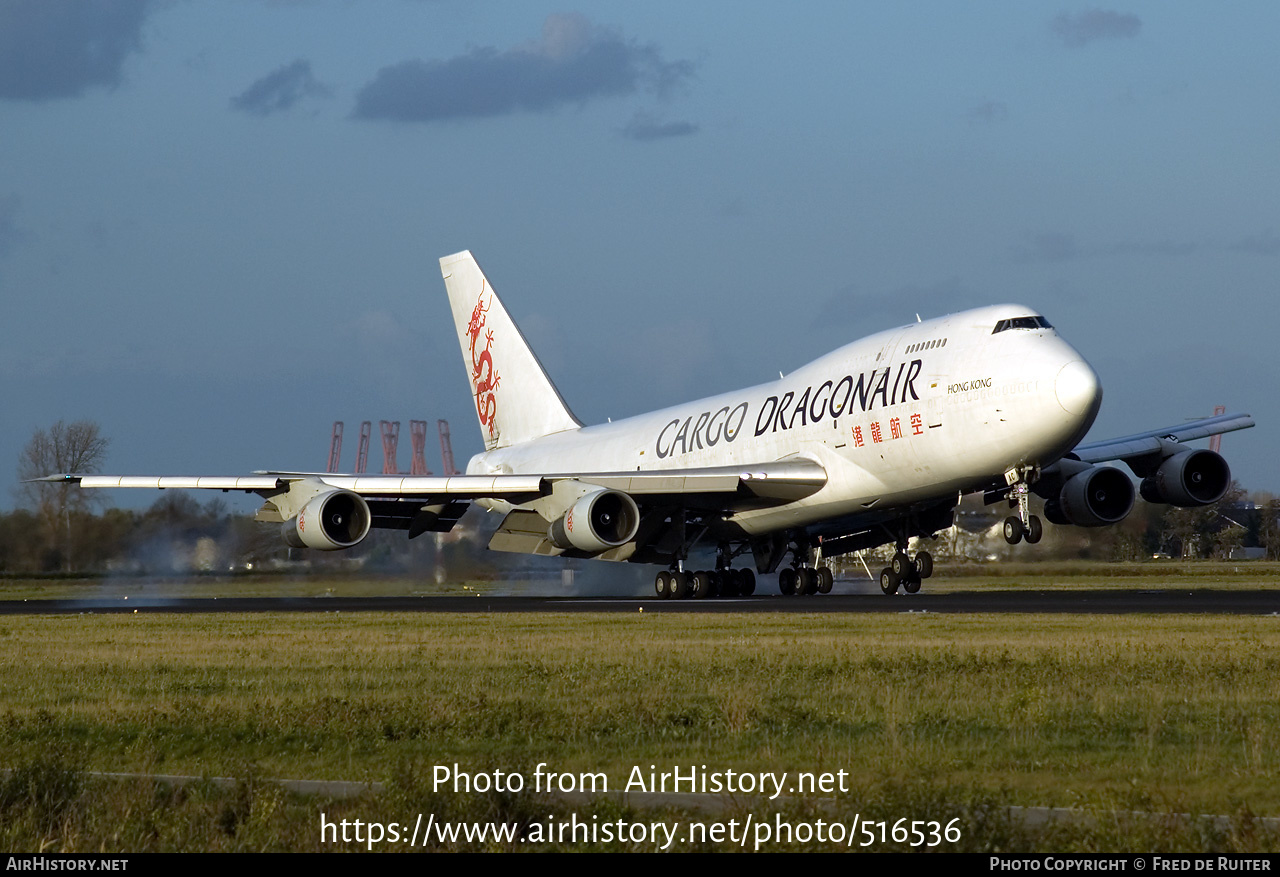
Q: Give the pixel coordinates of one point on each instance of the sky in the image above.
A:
(220, 222)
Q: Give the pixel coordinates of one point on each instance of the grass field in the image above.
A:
(1107, 713)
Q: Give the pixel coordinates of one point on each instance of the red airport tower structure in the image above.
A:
(362, 452)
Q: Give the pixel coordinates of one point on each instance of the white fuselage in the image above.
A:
(901, 417)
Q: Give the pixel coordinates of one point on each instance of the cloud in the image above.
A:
(279, 90)
(53, 49)
(1085, 27)
(572, 62)
(644, 127)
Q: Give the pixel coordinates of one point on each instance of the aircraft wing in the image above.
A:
(781, 480)
(434, 503)
(1158, 441)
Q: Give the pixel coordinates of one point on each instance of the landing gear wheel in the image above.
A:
(1034, 530)
(1013, 530)
(901, 564)
(924, 563)
(679, 585)
(700, 585)
(717, 584)
(787, 581)
(825, 580)
(730, 580)
(911, 584)
(889, 581)
(746, 582)
(662, 585)
(808, 581)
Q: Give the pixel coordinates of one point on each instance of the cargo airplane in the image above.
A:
(871, 444)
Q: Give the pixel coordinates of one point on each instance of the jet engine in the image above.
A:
(598, 521)
(1190, 478)
(1095, 497)
(330, 521)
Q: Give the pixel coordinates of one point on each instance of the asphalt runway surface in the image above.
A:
(1156, 601)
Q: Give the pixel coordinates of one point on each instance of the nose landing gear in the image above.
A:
(1023, 525)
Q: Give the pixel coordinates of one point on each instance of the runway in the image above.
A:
(1167, 601)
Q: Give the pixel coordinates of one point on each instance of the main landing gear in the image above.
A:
(1023, 525)
(802, 580)
(677, 584)
(807, 573)
(906, 572)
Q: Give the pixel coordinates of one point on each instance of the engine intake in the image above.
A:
(331, 521)
(1098, 496)
(1191, 478)
(597, 522)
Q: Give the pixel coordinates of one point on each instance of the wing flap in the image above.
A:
(781, 480)
(461, 486)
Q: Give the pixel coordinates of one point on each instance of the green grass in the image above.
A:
(1170, 714)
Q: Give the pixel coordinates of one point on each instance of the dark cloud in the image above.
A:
(988, 112)
(572, 62)
(1083, 28)
(644, 127)
(279, 90)
(59, 48)
(10, 234)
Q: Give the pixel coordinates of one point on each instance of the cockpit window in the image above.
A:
(1036, 322)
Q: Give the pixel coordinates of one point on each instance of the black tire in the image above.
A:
(825, 580)
(700, 585)
(716, 584)
(1013, 530)
(901, 564)
(679, 585)
(747, 584)
(911, 584)
(1035, 530)
(662, 585)
(807, 581)
(924, 563)
(730, 582)
(787, 581)
(889, 581)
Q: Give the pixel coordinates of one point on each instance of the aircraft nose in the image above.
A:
(1077, 388)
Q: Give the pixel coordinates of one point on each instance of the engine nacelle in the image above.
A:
(331, 521)
(1190, 478)
(597, 522)
(1098, 496)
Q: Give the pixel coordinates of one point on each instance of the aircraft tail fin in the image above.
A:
(515, 400)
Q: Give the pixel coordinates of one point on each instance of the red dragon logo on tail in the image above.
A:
(484, 377)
